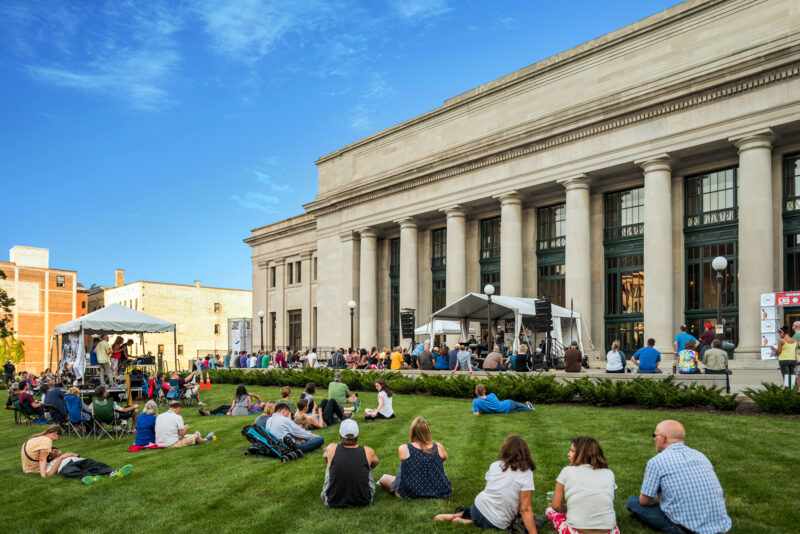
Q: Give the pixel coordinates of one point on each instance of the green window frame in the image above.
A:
(551, 227)
(550, 247)
(394, 291)
(490, 253)
(624, 214)
(711, 198)
(550, 282)
(438, 268)
(791, 222)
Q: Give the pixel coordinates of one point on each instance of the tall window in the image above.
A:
(711, 230)
(791, 222)
(273, 328)
(216, 329)
(180, 350)
(438, 268)
(490, 253)
(217, 307)
(297, 271)
(394, 291)
(314, 269)
(623, 245)
(290, 273)
(272, 277)
(60, 281)
(314, 325)
(295, 328)
(550, 242)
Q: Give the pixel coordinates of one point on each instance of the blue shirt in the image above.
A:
(463, 360)
(452, 359)
(442, 362)
(688, 490)
(682, 338)
(145, 430)
(55, 397)
(491, 404)
(647, 358)
(418, 349)
(227, 360)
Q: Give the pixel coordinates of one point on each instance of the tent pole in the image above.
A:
(84, 357)
(175, 345)
(53, 340)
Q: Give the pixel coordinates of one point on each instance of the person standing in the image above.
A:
(787, 356)
(228, 359)
(680, 491)
(499, 340)
(103, 353)
(679, 343)
(706, 338)
(8, 372)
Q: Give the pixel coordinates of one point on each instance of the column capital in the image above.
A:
(509, 198)
(306, 255)
(577, 181)
(655, 162)
(348, 236)
(368, 233)
(456, 210)
(261, 264)
(277, 262)
(761, 138)
(407, 223)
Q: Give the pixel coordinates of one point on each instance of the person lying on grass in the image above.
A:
(509, 486)
(490, 404)
(384, 410)
(588, 486)
(171, 431)
(421, 474)
(39, 456)
(242, 404)
(348, 476)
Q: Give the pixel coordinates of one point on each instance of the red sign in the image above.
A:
(790, 298)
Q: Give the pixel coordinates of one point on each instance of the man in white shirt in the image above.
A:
(312, 358)
(171, 430)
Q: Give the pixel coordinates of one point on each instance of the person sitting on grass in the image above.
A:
(687, 359)
(421, 474)
(27, 401)
(509, 486)
(241, 404)
(269, 409)
(128, 412)
(384, 410)
(647, 358)
(680, 491)
(286, 398)
(39, 456)
(348, 476)
(338, 391)
(281, 426)
(588, 486)
(308, 394)
(490, 404)
(171, 431)
(463, 361)
(146, 427)
(309, 420)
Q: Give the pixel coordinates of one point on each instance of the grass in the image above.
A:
(215, 488)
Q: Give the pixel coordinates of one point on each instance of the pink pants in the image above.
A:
(559, 521)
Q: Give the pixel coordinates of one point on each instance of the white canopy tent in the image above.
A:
(475, 307)
(116, 319)
(440, 327)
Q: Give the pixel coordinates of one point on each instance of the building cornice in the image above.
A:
(266, 234)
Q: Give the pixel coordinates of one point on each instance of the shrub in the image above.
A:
(775, 399)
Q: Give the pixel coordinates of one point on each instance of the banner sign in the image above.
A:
(791, 298)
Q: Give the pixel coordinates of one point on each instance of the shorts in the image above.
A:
(185, 441)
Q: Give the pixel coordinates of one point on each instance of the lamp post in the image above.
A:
(489, 290)
(261, 320)
(719, 264)
(352, 306)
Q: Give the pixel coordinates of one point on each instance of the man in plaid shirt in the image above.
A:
(680, 491)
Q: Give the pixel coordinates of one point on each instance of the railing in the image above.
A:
(712, 217)
(622, 232)
(551, 242)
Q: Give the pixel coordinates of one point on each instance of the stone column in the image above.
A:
(456, 267)
(260, 302)
(409, 276)
(279, 308)
(658, 292)
(578, 276)
(511, 244)
(350, 277)
(305, 288)
(368, 324)
(756, 230)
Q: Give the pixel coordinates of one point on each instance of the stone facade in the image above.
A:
(659, 144)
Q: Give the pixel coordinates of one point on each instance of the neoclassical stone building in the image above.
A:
(610, 175)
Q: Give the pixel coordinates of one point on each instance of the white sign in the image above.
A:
(769, 313)
(769, 327)
(768, 299)
(769, 340)
(767, 353)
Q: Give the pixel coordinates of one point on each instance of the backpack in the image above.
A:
(338, 360)
(264, 443)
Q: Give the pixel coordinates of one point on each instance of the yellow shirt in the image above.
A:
(34, 447)
(100, 352)
(788, 351)
(397, 360)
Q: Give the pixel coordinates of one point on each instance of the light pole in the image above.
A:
(719, 264)
(261, 320)
(489, 290)
(352, 306)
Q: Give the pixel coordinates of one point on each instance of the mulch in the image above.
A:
(747, 407)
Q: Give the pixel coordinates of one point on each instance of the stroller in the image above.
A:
(263, 443)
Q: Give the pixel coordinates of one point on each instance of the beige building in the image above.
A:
(200, 313)
(609, 175)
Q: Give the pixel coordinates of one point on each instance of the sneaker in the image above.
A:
(123, 471)
(355, 406)
(210, 436)
(200, 403)
(203, 412)
(529, 405)
(90, 479)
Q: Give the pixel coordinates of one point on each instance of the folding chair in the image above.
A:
(21, 416)
(54, 415)
(174, 391)
(27, 414)
(75, 421)
(103, 411)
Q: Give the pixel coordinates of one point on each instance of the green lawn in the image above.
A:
(215, 488)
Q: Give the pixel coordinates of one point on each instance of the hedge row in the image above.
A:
(775, 399)
(538, 389)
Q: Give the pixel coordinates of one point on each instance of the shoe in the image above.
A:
(355, 406)
(123, 471)
(203, 412)
(210, 436)
(90, 479)
(199, 403)
(529, 405)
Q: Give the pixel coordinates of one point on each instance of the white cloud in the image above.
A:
(360, 117)
(410, 9)
(378, 87)
(255, 200)
(266, 179)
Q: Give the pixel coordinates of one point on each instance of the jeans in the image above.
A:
(655, 371)
(652, 516)
(498, 368)
(106, 375)
(787, 372)
(477, 517)
(331, 408)
(518, 407)
(713, 372)
(310, 445)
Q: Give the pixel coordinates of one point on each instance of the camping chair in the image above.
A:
(75, 422)
(174, 391)
(103, 410)
(54, 415)
(21, 415)
(29, 415)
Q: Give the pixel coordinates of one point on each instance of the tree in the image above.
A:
(10, 347)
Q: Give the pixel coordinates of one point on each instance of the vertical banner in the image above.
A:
(769, 322)
(234, 335)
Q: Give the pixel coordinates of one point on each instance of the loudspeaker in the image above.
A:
(407, 322)
(543, 320)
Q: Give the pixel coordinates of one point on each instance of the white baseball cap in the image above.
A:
(348, 426)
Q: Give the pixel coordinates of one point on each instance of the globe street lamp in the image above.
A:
(261, 320)
(719, 264)
(489, 290)
(352, 306)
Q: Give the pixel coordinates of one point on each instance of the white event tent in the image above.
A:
(475, 307)
(441, 327)
(115, 319)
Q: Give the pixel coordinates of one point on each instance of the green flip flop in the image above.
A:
(122, 471)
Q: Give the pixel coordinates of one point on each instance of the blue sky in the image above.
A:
(153, 136)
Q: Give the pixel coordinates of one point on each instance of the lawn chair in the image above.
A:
(174, 391)
(75, 422)
(54, 415)
(104, 414)
(26, 414)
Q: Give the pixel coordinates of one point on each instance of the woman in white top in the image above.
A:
(384, 410)
(615, 359)
(588, 486)
(509, 486)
